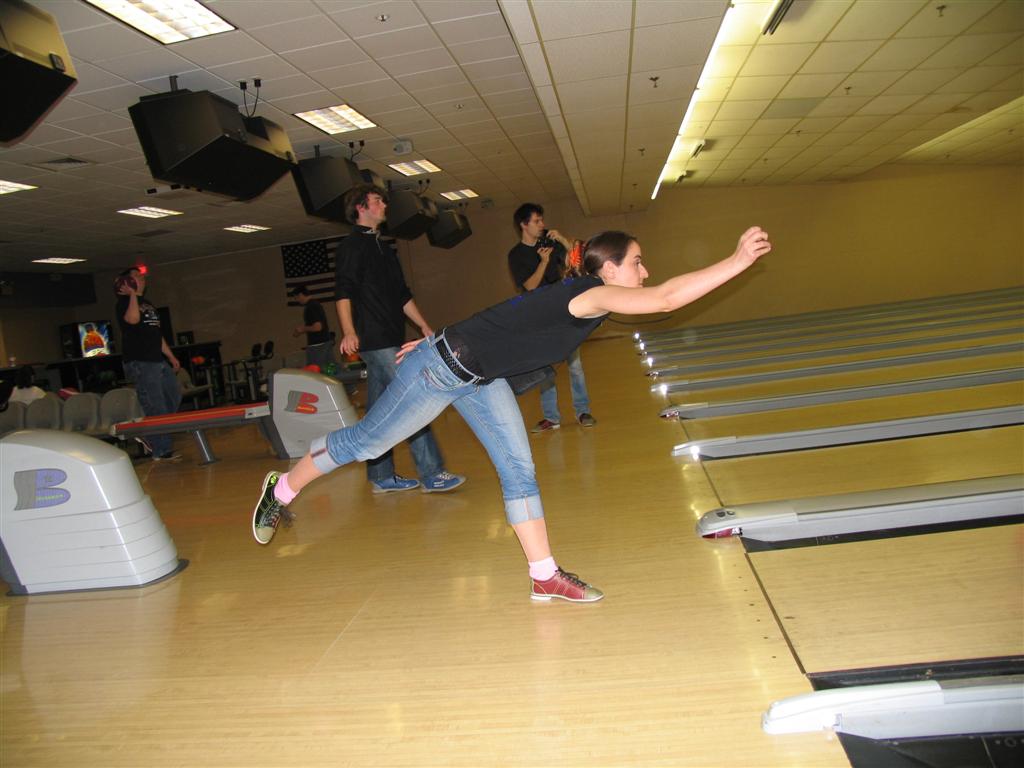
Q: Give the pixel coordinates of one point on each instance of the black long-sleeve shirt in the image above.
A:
(367, 273)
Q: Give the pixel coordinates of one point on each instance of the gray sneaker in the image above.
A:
(269, 511)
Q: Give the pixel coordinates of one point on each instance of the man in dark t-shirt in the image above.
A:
(373, 303)
(146, 356)
(538, 259)
(319, 350)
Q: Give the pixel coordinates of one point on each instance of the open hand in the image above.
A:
(406, 348)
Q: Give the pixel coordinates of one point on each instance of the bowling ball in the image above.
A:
(352, 357)
(198, 360)
(312, 367)
(331, 369)
(124, 280)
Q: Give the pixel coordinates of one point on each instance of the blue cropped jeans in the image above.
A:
(423, 387)
(158, 392)
(426, 454)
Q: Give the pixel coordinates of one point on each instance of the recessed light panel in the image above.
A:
(459, 194)
(149, 212)
(169, 21)
(56, 260)
(414, 167)
(337, 119)
(247, 228)
(6, 187)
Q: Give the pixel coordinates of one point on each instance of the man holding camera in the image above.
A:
(537, 260)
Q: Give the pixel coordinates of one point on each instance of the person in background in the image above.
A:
(319, 350)
(148, 362)
(373, 303)
(25, 390)
(538, 260)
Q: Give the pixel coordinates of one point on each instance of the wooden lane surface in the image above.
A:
(892, 355)
(893, 373)
(856, 411)
(869, 466)
(993, 331)
(939, 597)
(397, 631)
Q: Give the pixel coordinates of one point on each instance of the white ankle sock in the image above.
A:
(542, 570)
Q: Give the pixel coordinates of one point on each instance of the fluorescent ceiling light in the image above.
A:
(169, 21)
(414, 167)
(56, 260)
(6, 187)
(337, 119)
(149, 212)
(247, 228)
(459, 194)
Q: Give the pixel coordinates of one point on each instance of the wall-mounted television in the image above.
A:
(86, 339)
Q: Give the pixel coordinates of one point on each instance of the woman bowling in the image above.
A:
(466, 364)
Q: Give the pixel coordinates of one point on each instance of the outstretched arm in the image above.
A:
(676, 292)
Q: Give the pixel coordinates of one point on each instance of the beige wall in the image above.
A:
(899, 233)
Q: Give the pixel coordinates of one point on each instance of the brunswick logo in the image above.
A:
(301, 402)
(38, 488)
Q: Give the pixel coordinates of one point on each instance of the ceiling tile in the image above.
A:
(874, 19)
(922, 81)
(811, 86)
(484, 50)
(766, 87)
(444, 10)
(674, 84)
(653, 12)
(501, 84)
(413, 63)
(839, 56)
(952, 19)
(297, 33)
(888, 105)
(777, 59)
(905, 54)
(968, 51)
(729, 60)
(472, 28)
(575, 18)
(399, 42)
(327, 56)
(586, 58)
(363, 20)
(807, 22)
(435, 78)
(978, 79)
(592, 94)
(221, 49)
(481, 70)
(742, 110)
(674, 45)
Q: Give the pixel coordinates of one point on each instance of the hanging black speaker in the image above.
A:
(202, 141)
(322, 183)
(409, 215)
(35, 68)
(372, 177)
(450, 229)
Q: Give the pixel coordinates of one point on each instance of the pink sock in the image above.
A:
(283, 492)
(542, 570)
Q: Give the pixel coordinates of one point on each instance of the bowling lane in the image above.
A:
(869, 466)
(894, 373)
(919, 599)
(856, 412)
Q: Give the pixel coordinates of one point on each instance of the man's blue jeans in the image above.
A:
(380, 372)
(578, 386)
(158, 393)
(423, 387)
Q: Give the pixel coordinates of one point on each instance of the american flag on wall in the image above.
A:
(310, 264)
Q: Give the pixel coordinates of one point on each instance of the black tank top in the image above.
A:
(526, 332)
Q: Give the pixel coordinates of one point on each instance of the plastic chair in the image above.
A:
(12, 418)
(82, 413)
(190, 391)
(44, 413)
(117, 405)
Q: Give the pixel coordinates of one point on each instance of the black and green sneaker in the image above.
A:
(269, 511)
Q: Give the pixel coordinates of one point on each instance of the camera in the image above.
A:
(546, 241)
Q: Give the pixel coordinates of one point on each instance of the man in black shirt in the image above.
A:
(538, 260)
(145, 356)
(314, 324)
(373, 303)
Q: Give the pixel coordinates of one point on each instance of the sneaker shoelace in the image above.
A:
(444, 476)
(573, 579)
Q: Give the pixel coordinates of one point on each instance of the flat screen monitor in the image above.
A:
(86, 339)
